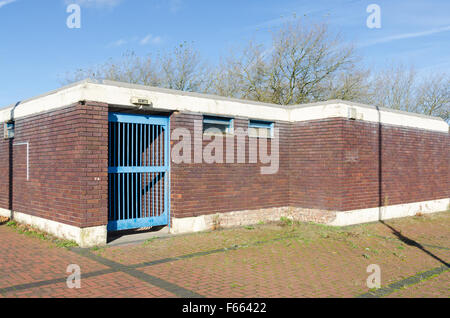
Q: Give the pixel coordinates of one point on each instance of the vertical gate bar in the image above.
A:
(160, 145)
(118, 144)
(127, 206)
(141, 140)
(123, 197)
(144, 174)
(147, 184)
(153, 194)
(166, 173)
(160, 174)
(123, 145)
(138, 196)
(115, 144)
(157, 146)
(118, 197)
(153, 145)
(140, 212)
(143, 194)
(145, 145)
(140, 145)
(128, 144)
(132, 194)
(158, 195)
(152, 174)
(161, 211)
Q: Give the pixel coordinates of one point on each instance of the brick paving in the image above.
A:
(273, 260)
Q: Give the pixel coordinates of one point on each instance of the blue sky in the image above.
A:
(37, 48)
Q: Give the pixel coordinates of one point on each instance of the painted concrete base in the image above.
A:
(84, 237)
(335, 218)
(5, 213)
(390, 212)
(96, 236)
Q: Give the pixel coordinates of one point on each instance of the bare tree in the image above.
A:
(293, 70)
(304, 63)
(399, 87)
(352, 85)
(434, 96)
(180, 69)
(184, 70)
(394, 87)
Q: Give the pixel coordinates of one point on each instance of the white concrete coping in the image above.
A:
(120, 94)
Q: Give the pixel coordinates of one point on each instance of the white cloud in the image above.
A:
(150, 39)
(405, 36)
(117, 43)
(5, 2)
(95, 3)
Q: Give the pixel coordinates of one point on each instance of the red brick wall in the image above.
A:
(327, 164)
(198, 189)
(67, 165)
(414, 165)
(316, 169)
(335, 165)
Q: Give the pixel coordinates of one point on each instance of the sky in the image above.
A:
(38, 49)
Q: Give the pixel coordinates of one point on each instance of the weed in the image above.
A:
(284, 221)
(31, 232)
(148, 241)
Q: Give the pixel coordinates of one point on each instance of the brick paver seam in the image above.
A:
(412, 280)
(153, 280)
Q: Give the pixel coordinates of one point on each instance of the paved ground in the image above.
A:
(273, 260)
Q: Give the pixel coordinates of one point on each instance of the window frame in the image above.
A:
(256, 123)
(225, 121)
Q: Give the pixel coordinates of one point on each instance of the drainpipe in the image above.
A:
(11, 165)
(380, 173)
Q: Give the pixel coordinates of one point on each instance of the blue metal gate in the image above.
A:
(138, 171)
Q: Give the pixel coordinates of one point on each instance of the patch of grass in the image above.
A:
(97, 249)
(31, 232)
(148, 241)
(284, 221)
(249, 227)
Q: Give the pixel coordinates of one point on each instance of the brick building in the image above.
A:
(104, 156)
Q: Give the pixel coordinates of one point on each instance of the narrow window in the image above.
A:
(215, 125)
(261, 129)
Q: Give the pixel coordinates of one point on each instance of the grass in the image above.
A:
(31, 232)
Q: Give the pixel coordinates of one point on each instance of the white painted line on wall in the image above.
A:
(28, 156)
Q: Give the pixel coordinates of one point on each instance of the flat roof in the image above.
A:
(119, 93)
